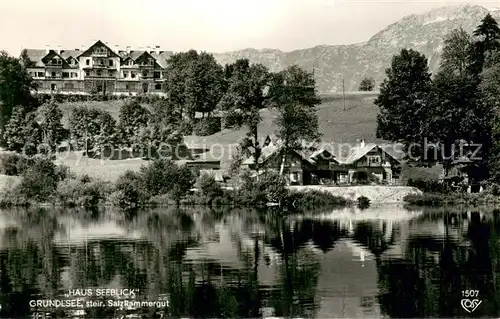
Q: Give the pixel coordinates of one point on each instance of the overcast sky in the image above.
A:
(210, 25)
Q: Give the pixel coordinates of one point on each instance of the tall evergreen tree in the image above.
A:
(487, 39)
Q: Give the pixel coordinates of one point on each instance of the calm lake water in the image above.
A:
(381, 262)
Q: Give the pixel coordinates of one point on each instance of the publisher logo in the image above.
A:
(470, 305)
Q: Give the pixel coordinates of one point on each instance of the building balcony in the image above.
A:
(100, 77)
(100, 54)
(54, 66)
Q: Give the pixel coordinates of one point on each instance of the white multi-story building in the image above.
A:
(99, 69)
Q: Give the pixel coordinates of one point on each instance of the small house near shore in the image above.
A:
(364, 163)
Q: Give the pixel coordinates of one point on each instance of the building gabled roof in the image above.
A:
(358, 152)
(271, 150)
(146, 53)
(36, 55)
(66, 54)
(324, 154)
(162, 57)
(99, 43)
(131, 55)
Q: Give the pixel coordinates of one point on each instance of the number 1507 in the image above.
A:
(470, 293)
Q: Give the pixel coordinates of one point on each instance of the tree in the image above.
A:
(26, 60)
(22, 133)
(403, 100)
(106, 138)
(176, 77)
(166, 177)
(293, 85)
(91, 128)
(131, 120)
(455, 56)
(489, 32)
(49, 118)
(203, 85)
(209, 188)
(487, 39)
(163, 141)
(243, 99)
(490, 98)
(194, 82)
(296, 123)
(15, 87)
(293, 95)
(367, 84)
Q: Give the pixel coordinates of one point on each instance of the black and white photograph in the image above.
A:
(249, 159)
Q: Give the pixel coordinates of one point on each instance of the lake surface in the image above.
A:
(381, 262)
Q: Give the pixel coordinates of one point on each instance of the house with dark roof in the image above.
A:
(363, 163)
(366, 162)
(99, 69)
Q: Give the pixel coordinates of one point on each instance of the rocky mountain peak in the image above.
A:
(332, 63)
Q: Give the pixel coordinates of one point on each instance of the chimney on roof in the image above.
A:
(128, 48)
(47, 48)
(58, 49)
(117, 48)
(362, 143)
(157, 49)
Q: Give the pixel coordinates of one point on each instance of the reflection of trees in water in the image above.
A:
(426, 282)
(373, 236)
(429, 278)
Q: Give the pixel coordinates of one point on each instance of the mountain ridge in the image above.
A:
(352, 62)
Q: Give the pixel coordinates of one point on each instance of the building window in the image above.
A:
(132, 75)
(87, 62)
(87, 73)
(110, 62)
(130, 62)
(125, 74)
(158, 86)
(157, 75)
(127, 87)
(53, 74)
(145, 73)
(373, 160)
(99, 73)
(41, 74)
(65, 74)
(100, 50)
